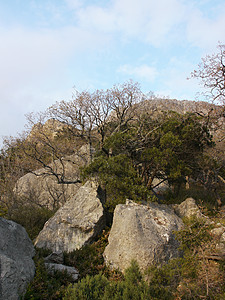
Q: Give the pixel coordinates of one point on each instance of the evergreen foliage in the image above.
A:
(99, 287)
(31, 217)
(168, 148)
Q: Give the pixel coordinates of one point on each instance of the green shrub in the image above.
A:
(196, 233)
(3, 211)
(45, 286)
(119, 178)
(199, 193)
(89, 259)
(91, 287)
(99, 287)
(31, 217)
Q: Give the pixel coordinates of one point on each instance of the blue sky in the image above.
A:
(49, 46)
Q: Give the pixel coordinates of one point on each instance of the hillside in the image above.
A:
(157, 153)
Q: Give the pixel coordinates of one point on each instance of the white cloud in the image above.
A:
(158, 23)
(148, 20)
(141, 72)
(97, 18)
(34, 70)
(205, 32)
(174, 79)
(74, 4)
(32, 57)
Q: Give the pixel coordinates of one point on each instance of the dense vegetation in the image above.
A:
(132, 150)
(168, 148)
(193, 276)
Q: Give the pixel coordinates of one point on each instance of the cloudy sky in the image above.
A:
(47, 47)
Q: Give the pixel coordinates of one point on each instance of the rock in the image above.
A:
(52, 268)
(144, 233)
(16, 265)
(188, 208)
(160, 186)
(55, 258)
(222, 242)
(76, 223)
(218, 231)
(42, 187)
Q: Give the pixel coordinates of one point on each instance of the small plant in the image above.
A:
(3, 211)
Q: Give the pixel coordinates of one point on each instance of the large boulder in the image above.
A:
(144, 233)
(76, 223)
(41, 186)
(16, 265)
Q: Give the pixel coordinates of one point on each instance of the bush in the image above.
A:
(99, 287)
(119, 178)
(32, 218)
(3, 211)
(45, 286)
(91, 287)
(89, 259)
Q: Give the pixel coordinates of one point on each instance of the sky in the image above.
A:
(50, 47)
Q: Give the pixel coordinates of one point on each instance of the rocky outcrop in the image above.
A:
(188, 208)
(42, 186)
(144, 233)
(16, 265)
(76, 223)
(179, 106)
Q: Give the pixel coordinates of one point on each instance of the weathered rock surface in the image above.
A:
(187, 209)
(159, 186)
(42, 186)
(219, 234)
(52, 267)
(144, 233)
(55, 258)
(54, 262)
(76, 223)
(221, 244)
(16, 265)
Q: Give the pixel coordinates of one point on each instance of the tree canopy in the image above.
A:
(166, 148)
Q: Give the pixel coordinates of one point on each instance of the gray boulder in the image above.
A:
(144, 233)
(76, 223)
(41, 186)
(55, 258)
(16, 265)
(52, 268)
(187, 209)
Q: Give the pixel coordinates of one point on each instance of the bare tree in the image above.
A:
(211, 73)
(56, 134)
(123, 99)
(89, 114)
(51, 148)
